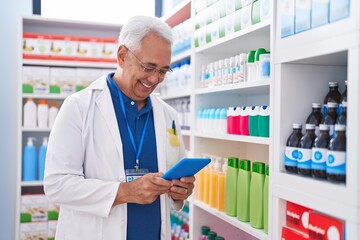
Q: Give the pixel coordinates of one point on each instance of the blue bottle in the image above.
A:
(29, 164)
(42, 156)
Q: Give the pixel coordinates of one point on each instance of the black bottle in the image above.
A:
(336, 160)
(341, 119)
(330, 117)
(344, 95)
(333, 95)
(305, 152)
(319, 152)
(315, 117)
(292, 148)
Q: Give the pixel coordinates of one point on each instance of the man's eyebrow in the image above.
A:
(150, 64)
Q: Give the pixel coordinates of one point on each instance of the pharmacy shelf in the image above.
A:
(44, 96)
(31, 183)
(234, 138)
(245, 226)
(253, 37)
(249, 88)
(57, 63)
(35, 129)
(181, 56)
(179, 14)
(177, 94)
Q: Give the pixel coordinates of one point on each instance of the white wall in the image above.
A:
(10, 12)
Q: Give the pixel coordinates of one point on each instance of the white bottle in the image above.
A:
(30, 113)
(43, 114)
(53, 112)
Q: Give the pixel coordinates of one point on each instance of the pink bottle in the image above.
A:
(244, 121)
(234, 120)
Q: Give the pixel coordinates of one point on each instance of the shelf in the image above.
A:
(247, 39)
(178, 94)
(186, 132)
(235, 138)
(181, 56)
(250, 88)
(179, 14)
(44, 96)
(57, 63)
(35, 129)
(31, 183)
(258, 233)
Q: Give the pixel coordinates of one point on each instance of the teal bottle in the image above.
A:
(266, 200)
(253, 121)
(231, 186)
(257, 195)
(243, 195)
(264, 121)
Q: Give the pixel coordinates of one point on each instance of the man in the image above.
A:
(111, 133)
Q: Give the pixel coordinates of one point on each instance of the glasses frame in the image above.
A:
(161, 73)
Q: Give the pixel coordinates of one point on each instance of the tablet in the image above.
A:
(186, 167)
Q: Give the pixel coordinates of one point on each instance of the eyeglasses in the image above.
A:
(149, 69)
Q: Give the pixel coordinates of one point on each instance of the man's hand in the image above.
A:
(182, 189)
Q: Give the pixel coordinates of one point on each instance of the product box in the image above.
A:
(246, 16)
(245, 3)
(237, 20)
(222, 8)
(200, 5)
(33, 231)
(265, 9)
(200, 19)
(319, 13)
(229, 24)
(230, 7)
(212, 32)
(291, 234)
(339, 9)
(302, 15)
(297, 217)
(287, 13)
(33, 208)
(85, 76)
(238, 5)
(109, 49)
(53, 211)
(63, 47)
(35, 80)
(51, 231)
(62, 80)
(255, 12)
(89, 49)
(36, 46)
(325, 227)
(215, 11)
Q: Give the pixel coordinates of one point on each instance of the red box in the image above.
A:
(325, 227)
(291, 234)
(297, 217)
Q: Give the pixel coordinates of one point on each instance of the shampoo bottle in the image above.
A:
(222, 186)
(53, 111)
(43, 114)
(243, 196)
(257, 195)
(266, 200)
(231, 186)
(29, 161)
(30, 113)
(214, 191)
(42, 157)
(206, 193)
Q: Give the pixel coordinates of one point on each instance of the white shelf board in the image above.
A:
(181, 56)
(58, 63)
(178, 94)
(31, 183)
(35, 129)
(44, 96)
(256, 87)
(235, 138)
(250, 38)
(179, 14)
(245, 226)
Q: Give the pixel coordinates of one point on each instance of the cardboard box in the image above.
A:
(297, 217)
(85, 76)
(63, 47)
(109, 49)
(287, 15)
(246, 16)
(33, 231)
(265, 9)
(89, 49)
(325, 227)
(36, 46)
(51, 231)
(53, 211)
(33, 208)
(291, 234)
(302, 15)
(35, 80)
(62, 80)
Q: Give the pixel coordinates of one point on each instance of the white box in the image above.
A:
(89, 49)
(34, 208)
(63, 47)
(287, 13)
(339, 9)
(229, 24)
(36, 46)
(246, 16)
(319, 13)
(265, 9)
(85, 76)
(109, 49)
(62, 80)
(51, 231)
(33, 231)
(302, 15)
(230, 7)
(36, 80)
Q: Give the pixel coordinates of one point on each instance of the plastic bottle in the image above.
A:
(305, 152)
(257, 195)
(230, 77)
(207, 171)
(214, 191)
(204, 232)
(202, 76)
(244, 121)
(233, 121)
(250, 67)
(242, 67)
(315, 117)
(220, 72)
(253, 121)
(212, 235)
(333, 95)
(330, 117)
(231, 186)
(199, 116)
(258, 53)
(42, 157)
(222, 186)
(223, 121)
(43, 114)
(264, 66)
(266, 200)
(53, 112)
(235, 69)
(219, 238)
(29, 164)
(264, 121)
(224, 73)
(319, 152)
(292, 148)
(243, 195)
(336, 156)
(217, 122)
(30, 110)
(342, 117)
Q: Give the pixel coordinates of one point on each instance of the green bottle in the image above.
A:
(231, 186)
(243, 191)
(266, 200)
(212, 235)
(257, 195)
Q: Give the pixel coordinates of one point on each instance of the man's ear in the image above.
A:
(121, 54)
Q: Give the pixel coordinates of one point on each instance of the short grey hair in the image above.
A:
(138, 27)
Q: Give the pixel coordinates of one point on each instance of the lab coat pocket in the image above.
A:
(172, 148)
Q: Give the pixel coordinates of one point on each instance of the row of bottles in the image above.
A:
(39, 115)
(236, 189)
(33, 163)
(182, 106)
(181, 37)
(208, 234)
(244, 67)
(180, 223)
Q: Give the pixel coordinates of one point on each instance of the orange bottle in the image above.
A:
(206, 189)
(200, 185)
(222, 187)
(213, 191)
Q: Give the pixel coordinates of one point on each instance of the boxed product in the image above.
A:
(35, 80)
(212, 32)
(245, 3)
(319, 13)
(85, 76)
(246, 16)
(215, 11)
(62, 80)
(255, 12)
(291, 234)
(51, 231)
(53, 211)
(229, 24)
(89, 49)
(230, 7)
(109, 49)
(339, 9)
(63, 47)
(287, 13)
(33, 208)
(325, 227)
(237, 20)
(30, 231)
(297, 217)
(302, 15)
(36, 46)
(265, 9)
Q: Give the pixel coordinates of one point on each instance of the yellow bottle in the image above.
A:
(207, 171)
(200, 185)
(213, 191)
(221, 187)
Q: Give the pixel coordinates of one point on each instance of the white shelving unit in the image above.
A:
(50, 26)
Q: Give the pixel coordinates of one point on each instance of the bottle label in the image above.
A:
(318, 159)
(336, 162)
(317, 130)
(291, 156)
(332, 131)
(304, 158)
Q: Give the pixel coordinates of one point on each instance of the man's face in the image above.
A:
(153, 53)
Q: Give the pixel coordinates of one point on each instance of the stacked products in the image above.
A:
(33, 163)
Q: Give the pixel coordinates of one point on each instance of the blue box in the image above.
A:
(339, 9)
(302, 15)
(287, 12)
(319, 13)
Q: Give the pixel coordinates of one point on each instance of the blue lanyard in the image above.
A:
(137, 151)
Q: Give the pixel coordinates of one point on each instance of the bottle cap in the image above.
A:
(53, 103)
(344, 104)
(233, 162)
(310, 126)
(219, 238)
(324, 127)
(258, 53)
(43, 102)
(333, 84)
(212, 235)
(340, 127)
(245, 164)
(251, 56)
(316, 105)
(297, 126)
(267, 170)
(332, 105)
(258, 167)
(205, 230)
(345, 82)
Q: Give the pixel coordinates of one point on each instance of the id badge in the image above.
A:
(132, 174)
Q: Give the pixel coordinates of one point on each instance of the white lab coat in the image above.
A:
(84, 165)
